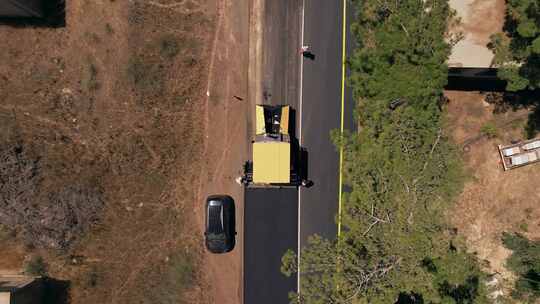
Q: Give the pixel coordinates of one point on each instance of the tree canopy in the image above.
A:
(517, 50)
(525, 262)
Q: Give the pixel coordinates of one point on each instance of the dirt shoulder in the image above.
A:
(493, 201)
(227, 138)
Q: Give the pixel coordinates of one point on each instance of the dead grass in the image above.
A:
(493, 201)
(115, 99)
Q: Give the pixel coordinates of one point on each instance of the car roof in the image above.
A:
(215, 223)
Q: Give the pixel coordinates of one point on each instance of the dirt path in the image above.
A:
(225, 149)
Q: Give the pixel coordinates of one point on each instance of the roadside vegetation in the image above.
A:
(404, 173)
(525, 262)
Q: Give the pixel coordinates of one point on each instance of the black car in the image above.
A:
(220, 224)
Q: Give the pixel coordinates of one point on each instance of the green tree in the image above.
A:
(525, 262)
(517, 50)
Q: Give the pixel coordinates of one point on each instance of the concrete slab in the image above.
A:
(479, 20)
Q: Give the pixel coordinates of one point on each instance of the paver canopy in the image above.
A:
(22, 8)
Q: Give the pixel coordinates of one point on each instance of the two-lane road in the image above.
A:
(279, 219)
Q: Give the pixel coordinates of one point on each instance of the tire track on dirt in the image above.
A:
(213, 53)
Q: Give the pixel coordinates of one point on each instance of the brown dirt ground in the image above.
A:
(479, 19)
(107, 100)
(493, 201)
(226, 144)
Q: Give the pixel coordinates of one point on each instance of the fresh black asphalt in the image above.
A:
(271, 229)
(271, 215)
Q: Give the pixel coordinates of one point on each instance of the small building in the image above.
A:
(520, 154)
(20, 289)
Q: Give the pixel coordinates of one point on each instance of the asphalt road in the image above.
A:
(274, 220)
(270, 224)
(281, 59)
(271, 215)
(321, 113)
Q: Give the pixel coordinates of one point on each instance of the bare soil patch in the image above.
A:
(479, 20)
(226, 148)
(493, 201)
(116, 100)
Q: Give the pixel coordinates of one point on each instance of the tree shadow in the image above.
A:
(410, 298)
(514, 101)
(463, 293)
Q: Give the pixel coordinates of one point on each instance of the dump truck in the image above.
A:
(520, 154)
(276, 154)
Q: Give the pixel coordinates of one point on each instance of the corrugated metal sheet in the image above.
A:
(532, 145)
(22, 8)
(519, 159)
(511, 151)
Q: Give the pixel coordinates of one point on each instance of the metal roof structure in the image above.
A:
(22, 8)
(520, 154)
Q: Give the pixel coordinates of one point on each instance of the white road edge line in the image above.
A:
(300, 144)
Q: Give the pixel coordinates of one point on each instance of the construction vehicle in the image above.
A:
(276, 154)
(520, 154)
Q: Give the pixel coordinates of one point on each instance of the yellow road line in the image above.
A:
(343, 58)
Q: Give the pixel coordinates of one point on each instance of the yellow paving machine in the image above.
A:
(275, 159)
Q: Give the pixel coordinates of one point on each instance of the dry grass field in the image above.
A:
(114, 103)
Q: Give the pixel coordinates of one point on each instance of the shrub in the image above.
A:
(168, 46)
(525, 262)
(35, 266)
(489, 129)
(146, 78)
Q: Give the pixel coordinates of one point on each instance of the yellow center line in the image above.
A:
(343, 59)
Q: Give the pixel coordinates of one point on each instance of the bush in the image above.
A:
(168, 46)
(181, 270)
(489, 129)
(147, 78)
(59, 217)
(35, 266)
(89, 79)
